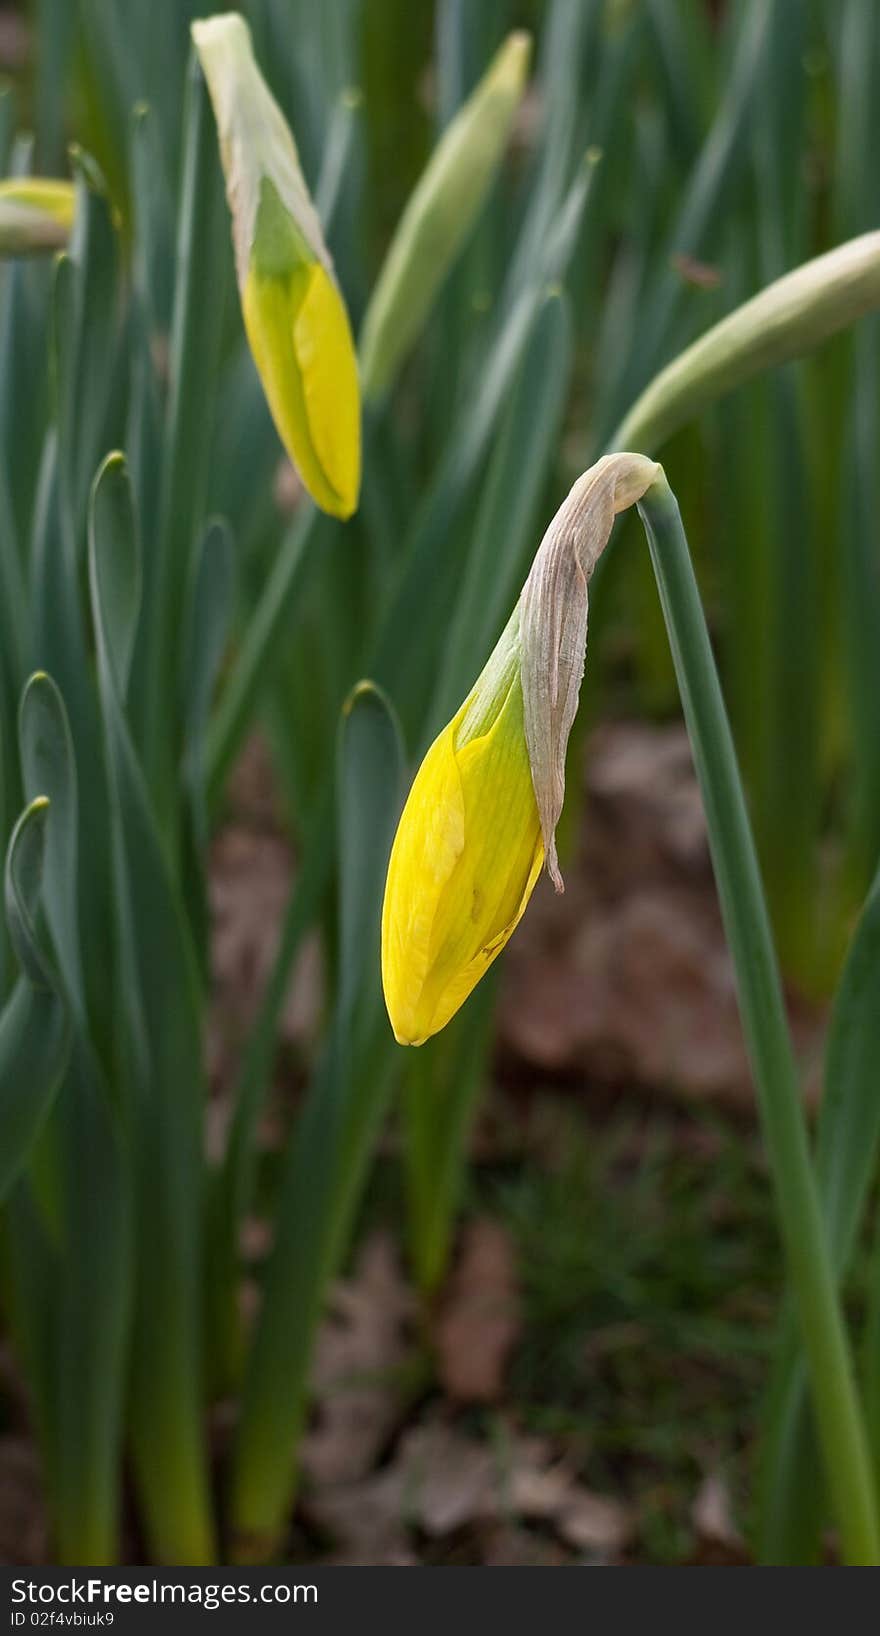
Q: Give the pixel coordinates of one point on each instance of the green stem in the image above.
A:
(871, 1373)
(440, 1087)
(838, 1411)
(195, 351)
(261, 641)
(233, 1185)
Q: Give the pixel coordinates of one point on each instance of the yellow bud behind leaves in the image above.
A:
(36, 215)
(294, 315)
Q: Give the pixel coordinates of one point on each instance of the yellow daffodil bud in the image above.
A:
(466, 855)
(482, 812)
(441, 213)
(296, 322)
(36, 215)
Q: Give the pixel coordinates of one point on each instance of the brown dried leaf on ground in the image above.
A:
(439, 1481)
(442, 1482)
(551, 1492)
(508, 1546)
(627, 976)
(712, 1514)
(363, 1346)
(365, 1521)
(447, 1479)
(480, 1318)
(595, 1523)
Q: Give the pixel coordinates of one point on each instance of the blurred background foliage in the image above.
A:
(676, 230)
(670, 158)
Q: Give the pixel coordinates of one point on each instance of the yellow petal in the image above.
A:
(427, 846)
(465, 860)
(325, 353)
(303, 400)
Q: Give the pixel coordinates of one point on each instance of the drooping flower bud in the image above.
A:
(294, 315)
(482, 812)
(441, 212)
(36, 215)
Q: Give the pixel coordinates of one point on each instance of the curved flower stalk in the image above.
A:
(481, 816)
(296, 322)
(36, 215)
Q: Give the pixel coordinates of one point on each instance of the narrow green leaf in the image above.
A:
(91, 1315)
(232, 1185)
(241, 693)
(8, 122)
(96, 332)
(441, 1084)
(327, 1161)
(48, 766)
(719, 164)
(846, 1162)
(207, 623)
(369, 775)
(160, 995)
(56, 24)
(199, 296)
(62, 638)
(153, 223)
(34, 1048)
(22, 882)
(115, 567)
(209, 616)
(494, 568)
(34, 1024)
(92, 1300)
